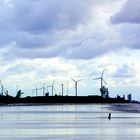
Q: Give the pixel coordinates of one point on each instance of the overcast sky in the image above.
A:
(54, 40)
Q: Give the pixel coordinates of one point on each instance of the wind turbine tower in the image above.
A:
(43, 88)
(36, 90)
(62, 85)
(33, 90)
(67, 88)
(53, 87)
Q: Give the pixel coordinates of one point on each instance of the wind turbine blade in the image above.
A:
(104, 81)
(40, 88)
(53, 83)
(35, 86)
(79, 80)
(97, 78)
(73, 79)
(103, 73)
(54, 89)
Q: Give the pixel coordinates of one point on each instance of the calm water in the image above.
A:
(70, 122)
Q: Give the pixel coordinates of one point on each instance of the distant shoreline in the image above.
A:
(50, 100)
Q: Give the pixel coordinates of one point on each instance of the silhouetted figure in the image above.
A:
(109, 116)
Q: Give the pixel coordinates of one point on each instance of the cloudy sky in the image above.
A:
(54, 40)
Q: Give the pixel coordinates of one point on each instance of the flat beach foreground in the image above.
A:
(71, 122)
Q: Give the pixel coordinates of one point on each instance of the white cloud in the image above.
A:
(125, 71)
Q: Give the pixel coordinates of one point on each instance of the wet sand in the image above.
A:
(71, 122)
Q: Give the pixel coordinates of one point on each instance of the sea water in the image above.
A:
(70, 122)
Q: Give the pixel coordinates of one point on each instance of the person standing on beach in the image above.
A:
(109, 116)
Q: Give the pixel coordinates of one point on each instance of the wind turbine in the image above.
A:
(101, 78)
(2, 88)
(52, 87)
(62, 86)
(35, 90)
(67, 88)
(76, 84)
(43, 89)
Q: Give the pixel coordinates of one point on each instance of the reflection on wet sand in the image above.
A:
(71, 122)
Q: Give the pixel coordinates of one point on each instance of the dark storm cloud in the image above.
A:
(37, 16)
(129, 13)
(129, 19)
(29, 23)
(91, 47)
(47, 28)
